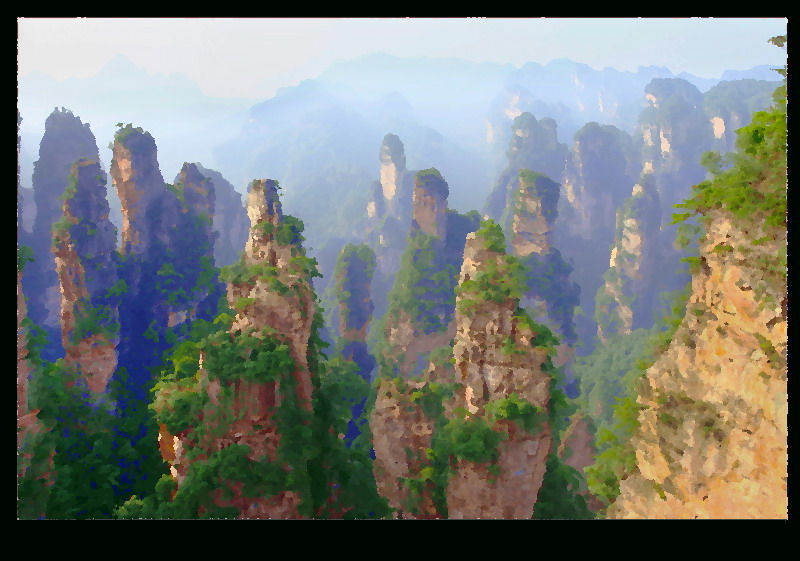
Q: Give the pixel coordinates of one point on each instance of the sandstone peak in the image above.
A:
(263, 201)
(83, 245)
(66, 139)
(196, 189)
(138, 180)
(430, 202)
(393, 151)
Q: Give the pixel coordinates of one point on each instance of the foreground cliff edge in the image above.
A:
(712, 429)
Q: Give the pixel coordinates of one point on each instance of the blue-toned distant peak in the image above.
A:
(665, 88)
(121, 66)
(761, 72)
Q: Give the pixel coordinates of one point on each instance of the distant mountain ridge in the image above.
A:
(320, 137)
(187, 122)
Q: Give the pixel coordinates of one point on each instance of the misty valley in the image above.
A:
(405, 289)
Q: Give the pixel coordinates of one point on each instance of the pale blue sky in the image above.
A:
(253, 57)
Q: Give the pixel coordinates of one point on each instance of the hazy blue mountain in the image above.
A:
(608, 96)
(761, 72)
(450, 95)
(730, 105)
(322, 141)
(186, 122)
(320, 137)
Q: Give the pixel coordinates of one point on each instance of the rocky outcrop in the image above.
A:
(470, 437)
(26, 213)
(353, 275)
(66, 140)
(576, 448)
(534, 145)
(390, 209)
(167, 248)
(189, 247)
(26, 209)
(597, 178)
(429, 203)
(627, 299)
(166, 281)
(674, 134)
(507, 106)
(270, 288)
(599, 175)
(230, 222)
(393, 167)
(529, 219)
(530, 216)
(389, 214)
(282, 298)
(139, 183)
(401, 433)
(497, 357)
(84, 241)
(26, 419)
(421, 304)
(35, 471)
(710, 438)
(352, 283)
(712, 441)
(730, 105)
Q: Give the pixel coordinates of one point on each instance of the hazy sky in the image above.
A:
(253, 57)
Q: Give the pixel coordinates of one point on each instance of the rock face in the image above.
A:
(534, 145)
(34, 455)
(389, 214)
(66, 140)
(270, 287)
(26, 209)
(674, 132)
(352, 282)
(84, 241)
(470, 437)
(529, 219)
(530, 214)
(389, 211)
(26, 213)
(230, 222)
(273, 242)
(496, 356)
(421, 303)
(393, 166)
(599, 176)
(189, 246)
(730, 105)
(507, 106)
(513, 101)
(139, 183)
(429, 203)
(402, 431)
(26, 420)
(167, 248)
(713, 440)
(354, 271)
(627, 299)
(577, 450)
